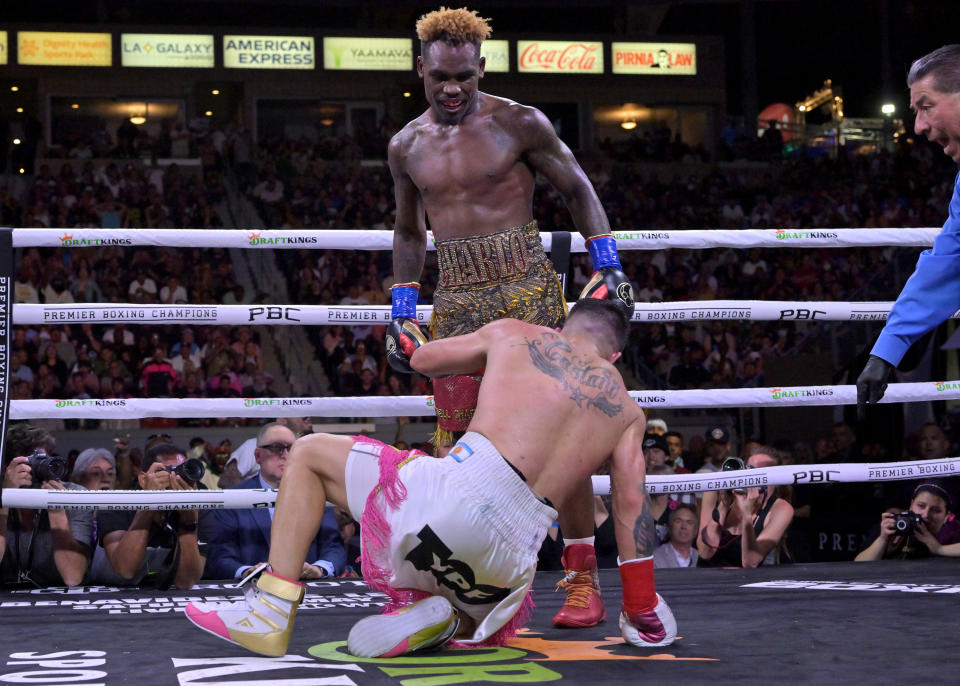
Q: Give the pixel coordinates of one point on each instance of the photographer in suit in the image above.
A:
(242, 537)
(920, 532)
(43, 547)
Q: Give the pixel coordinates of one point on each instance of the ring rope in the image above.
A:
(423, 405)
(353, 239)
(361, 315)
(784, 475)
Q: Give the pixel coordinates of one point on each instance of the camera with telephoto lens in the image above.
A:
(905, 522)
(191, 470)
(45, 467)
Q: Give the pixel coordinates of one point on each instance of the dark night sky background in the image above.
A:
(798, 44)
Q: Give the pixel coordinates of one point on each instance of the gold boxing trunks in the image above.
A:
(484, 278)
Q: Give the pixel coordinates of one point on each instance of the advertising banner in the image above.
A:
(64, 49)
(166, 50)
(560, 57)
(372, 54)
(497, 53)
(3, 47)
(269, 52)
(655, 59)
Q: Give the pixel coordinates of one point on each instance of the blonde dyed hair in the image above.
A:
(453, 26)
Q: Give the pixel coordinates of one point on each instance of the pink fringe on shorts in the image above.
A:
(375, 535)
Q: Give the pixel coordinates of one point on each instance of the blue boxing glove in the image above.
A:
(403, 334)
(608, 281)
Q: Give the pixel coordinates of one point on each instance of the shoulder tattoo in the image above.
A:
(590, 386)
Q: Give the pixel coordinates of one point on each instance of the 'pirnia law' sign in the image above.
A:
(560, 57)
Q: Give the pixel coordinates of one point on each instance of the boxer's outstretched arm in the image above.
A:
(465, 354)
(632, 510)
(410, 227)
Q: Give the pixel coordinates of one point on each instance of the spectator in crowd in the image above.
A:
(924, 536)
(159, 378)
(43, 547)
(243, 464)
(679, 550)
(156, 548)
(933, 444)
(675, 457)
(656, 426)
(142, 289)
(95, 469)
(242, 538)
(742, 527)
(717, 449)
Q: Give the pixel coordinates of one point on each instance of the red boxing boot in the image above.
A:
(584, 605)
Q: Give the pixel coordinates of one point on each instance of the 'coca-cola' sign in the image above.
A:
(560, 57)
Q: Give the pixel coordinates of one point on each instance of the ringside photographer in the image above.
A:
(922, 531)
(43, 547)
(156, 548)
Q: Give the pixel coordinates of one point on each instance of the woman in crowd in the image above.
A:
(743, 527)
(930, 532)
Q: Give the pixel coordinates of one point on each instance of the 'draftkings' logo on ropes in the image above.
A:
(256, 238)
(943, 386)
(67, 240)
(793, 393)
(784, 235)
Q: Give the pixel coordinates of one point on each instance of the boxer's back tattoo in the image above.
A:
(590, 386)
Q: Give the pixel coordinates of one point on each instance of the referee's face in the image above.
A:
(938, 115)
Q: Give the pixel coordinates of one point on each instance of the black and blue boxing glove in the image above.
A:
(608, 281)
(403, 334)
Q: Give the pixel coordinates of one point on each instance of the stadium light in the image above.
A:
(138, 119)
(888, 108)
(215, 91)
(406, 94)
(14, 89)
(16, 141)
(628, 124)
(208, 113)
(19, 110)
(75, 106)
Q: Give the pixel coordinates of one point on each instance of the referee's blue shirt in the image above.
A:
(930, 295)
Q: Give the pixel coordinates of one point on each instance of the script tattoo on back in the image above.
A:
(590, 386)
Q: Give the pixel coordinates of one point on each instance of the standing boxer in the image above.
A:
(467, 561)
(468, 164)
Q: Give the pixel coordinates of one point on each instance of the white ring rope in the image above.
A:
(353, 239)
(422, 405)
(363, 315)
(39, 498)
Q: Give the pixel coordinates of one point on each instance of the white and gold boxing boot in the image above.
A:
(428, 623)
(262, 621)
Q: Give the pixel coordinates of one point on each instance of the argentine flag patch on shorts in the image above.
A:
(460, 452)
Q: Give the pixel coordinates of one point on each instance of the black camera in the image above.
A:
(191, 470)
(45, 467)
(732, 464)
(905, 522)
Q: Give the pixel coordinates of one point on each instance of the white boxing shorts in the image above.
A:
(469, 528)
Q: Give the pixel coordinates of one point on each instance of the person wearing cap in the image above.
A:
(656, 426)
(655, 449)
(934, 534)
(717, 449)
(146, 547)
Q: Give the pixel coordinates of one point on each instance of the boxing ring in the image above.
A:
(810, 623)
